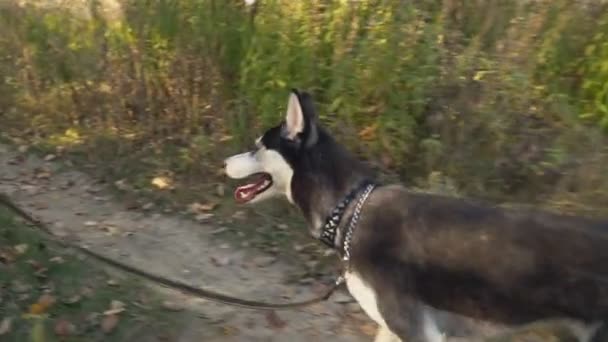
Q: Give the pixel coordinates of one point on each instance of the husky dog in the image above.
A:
(412, 258)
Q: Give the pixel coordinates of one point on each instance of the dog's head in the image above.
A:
(297, 159)
(269, 167)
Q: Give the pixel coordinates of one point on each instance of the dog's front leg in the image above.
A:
(384, 334)
(410, 321)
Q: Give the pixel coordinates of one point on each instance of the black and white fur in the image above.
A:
(424, 266)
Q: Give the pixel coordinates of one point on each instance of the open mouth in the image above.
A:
(260, 183)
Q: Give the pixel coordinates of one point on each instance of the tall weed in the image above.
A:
(505, 99)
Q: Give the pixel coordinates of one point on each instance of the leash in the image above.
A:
(183, 287)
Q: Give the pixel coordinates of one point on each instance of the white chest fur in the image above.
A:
(365, 296)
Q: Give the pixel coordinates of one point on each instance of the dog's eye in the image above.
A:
(254, 150)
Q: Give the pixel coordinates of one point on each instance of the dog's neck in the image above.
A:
(323, 195)
(334, 228)
(322, 177)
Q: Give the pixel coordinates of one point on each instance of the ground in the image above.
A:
(215, 253)
(75, 204)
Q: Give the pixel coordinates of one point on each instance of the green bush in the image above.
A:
(505, 99)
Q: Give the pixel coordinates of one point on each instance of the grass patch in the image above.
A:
(50, 294)
(503, 101)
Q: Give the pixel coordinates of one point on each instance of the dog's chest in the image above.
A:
(365, 296)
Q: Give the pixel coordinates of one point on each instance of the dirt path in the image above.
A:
(74, 203)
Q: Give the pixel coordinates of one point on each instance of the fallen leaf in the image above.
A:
(221, 261)
(6, 325)
(131, 204)
(67, 184)
(196, 207)
(40, 206)
(148, 206)
(86, 291)
(112, 312)
(263, 261)
(239, 215)
(72, 300)
(225, 138)
(122, 185)
(109, 323)
(172, 306)
(50, 157)
(46, 300)
(23, 297)
(57, 260)
(203, 217)
(208, 206)
(20, 287)
(111, 230)
(369, 132)
(274, 321)
(161, 182)
(92, 189)
(220, 190)
(219, 230)
(230, 330)
(21, 248)
(112, 282)
(116, 304)
(43, 175)
(35, 264)
(37, 309)
(7, 256)
(116, 307)
(64, 328)
(15, 161)
(41, 273)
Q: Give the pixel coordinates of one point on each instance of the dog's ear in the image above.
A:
(294, 118)
(300, 120)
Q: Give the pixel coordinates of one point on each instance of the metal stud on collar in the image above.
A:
(330, 228)
(354, 220)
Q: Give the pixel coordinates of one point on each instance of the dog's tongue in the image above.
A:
(247, 192)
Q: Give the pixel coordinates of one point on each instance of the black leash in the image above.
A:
(198, 292)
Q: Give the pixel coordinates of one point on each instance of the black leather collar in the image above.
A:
(330, 228)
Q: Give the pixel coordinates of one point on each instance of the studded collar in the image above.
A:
(329, 231)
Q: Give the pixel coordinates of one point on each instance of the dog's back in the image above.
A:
(508, 266)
